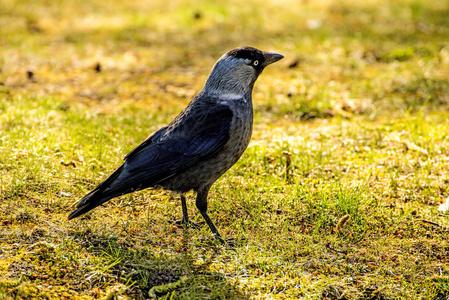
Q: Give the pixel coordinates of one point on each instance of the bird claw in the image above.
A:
(190, 224)
(231, 243)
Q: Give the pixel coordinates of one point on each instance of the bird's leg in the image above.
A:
(212, 227)
(201, 204)
(185, 215)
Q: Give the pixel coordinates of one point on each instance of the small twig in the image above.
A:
(288, 164)
(341, 223)
(430, 222)
(391, 273)
(328, 246)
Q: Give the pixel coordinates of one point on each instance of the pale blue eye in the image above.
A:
(256, 62)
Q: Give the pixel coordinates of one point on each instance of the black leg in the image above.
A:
(185, 215)
(201, 204)
(185, 222)
(210, 223)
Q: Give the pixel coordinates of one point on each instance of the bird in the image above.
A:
(204, 141)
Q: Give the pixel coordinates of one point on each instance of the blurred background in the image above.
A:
(340, 56)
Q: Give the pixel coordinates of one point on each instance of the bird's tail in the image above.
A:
(98, 196)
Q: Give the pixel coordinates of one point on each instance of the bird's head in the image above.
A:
(237, 70)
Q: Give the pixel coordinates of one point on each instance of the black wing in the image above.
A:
(198, 132)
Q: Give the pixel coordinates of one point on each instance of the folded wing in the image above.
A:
(169, 151)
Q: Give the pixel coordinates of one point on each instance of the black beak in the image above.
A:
(271, 58)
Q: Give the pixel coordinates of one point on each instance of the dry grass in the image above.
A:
(337, 194)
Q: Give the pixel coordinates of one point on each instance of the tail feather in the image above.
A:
(97, 196)
(91, 204)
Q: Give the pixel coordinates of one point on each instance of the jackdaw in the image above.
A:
(199, 145)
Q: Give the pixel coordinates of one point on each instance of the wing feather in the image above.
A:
(200, 131)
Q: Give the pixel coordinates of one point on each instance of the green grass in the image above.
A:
(336, 195)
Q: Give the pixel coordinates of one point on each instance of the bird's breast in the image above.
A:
(240, 134)
(209, 169)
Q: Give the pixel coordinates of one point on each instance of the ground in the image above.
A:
(336, 197)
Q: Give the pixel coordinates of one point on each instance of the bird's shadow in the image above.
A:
(172, 271)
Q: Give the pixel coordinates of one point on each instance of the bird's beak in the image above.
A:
(271, 58)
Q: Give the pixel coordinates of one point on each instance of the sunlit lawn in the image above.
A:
(337, 195)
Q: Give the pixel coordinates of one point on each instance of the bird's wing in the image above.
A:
(197, 134)
(151, 139)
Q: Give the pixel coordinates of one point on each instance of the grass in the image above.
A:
(336, 196)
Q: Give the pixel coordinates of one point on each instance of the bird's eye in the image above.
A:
(256, 62)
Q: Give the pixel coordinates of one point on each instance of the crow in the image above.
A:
(199, 145)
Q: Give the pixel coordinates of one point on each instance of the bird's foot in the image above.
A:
(231, 243)
(188, 224)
